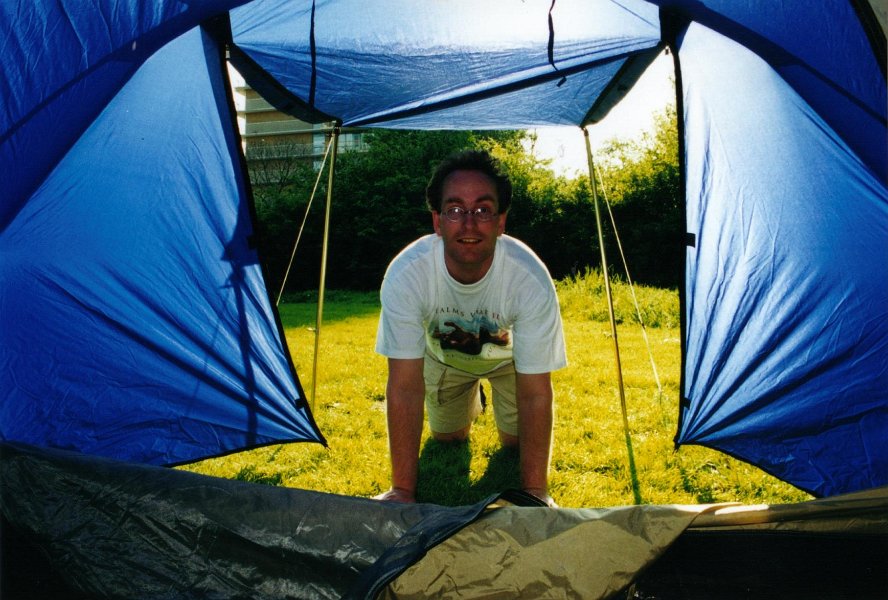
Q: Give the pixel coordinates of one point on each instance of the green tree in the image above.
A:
(379, 207)
(642, 182)
(379, 201)
(552, 214)
(280, 200)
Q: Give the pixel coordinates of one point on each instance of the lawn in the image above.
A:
(590, 456)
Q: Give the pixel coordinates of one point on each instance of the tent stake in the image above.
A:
(314, 373)
(613, 322)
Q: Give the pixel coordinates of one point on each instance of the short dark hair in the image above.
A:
(470, 160)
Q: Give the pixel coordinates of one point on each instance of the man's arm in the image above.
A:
(405, 392)
(534, 397)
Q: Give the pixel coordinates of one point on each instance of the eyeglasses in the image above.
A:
(454, 214)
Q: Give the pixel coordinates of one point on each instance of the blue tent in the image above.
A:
(134, 319)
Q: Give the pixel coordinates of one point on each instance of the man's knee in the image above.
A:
(508, 440)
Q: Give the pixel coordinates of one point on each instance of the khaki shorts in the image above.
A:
(453, 398)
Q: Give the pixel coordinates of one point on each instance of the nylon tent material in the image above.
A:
(834, 58)
(152, 339)
(52, 91)
(787, 279)
(135, 320)
(135, 324)
(123, 530)
(354, 62)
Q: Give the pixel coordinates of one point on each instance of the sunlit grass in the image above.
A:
(590, 456)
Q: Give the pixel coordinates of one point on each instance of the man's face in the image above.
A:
(468, 242)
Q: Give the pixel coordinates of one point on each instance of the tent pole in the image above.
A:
(613, 321)
(319, 318)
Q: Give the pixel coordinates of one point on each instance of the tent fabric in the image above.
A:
(787, 281)
(52, 91)
(135, 322)
(438, 70)
(121, 530)
(134, 314)
(634, 552)
(826, 56)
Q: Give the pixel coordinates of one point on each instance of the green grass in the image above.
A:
(590, 458)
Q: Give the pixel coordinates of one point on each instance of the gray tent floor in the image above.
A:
(77, 526)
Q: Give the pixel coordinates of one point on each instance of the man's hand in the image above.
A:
(542, 495)
(397, 495)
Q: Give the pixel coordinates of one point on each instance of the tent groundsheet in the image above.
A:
(105, 528)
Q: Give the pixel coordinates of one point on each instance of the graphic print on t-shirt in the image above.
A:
(474, 342)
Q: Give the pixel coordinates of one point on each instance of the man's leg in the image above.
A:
(508, 440)
(453, 401)
(505, 407)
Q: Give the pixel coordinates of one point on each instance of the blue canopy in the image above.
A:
(134, 322)
(787, 278)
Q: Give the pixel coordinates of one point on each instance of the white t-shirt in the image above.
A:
(512, 313)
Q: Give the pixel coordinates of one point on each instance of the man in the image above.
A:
(464, 304)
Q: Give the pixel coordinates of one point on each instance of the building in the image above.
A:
(274, 141)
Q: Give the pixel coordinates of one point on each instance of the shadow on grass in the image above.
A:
(444, 474)
(301, 310)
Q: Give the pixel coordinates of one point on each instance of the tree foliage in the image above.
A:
(642, 182)
(379, 207)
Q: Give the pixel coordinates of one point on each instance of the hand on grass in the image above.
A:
(542, 495)
(397, 495)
